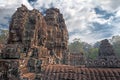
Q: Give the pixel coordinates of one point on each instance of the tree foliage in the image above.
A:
(93, 53)
(77, 46)
(116, 44)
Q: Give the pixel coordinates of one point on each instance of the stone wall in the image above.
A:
(66, 72)
(76, 59)
(106, 57)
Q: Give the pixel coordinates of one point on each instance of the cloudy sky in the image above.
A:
(89, 20)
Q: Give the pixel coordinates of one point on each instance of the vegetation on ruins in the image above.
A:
(77, 46)
(116, 44)
(91, 51)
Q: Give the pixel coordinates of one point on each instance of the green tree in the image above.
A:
(93, 53)
(76, 46)
(97, 44)
(116, 44)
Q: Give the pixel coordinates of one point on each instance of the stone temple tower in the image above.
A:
(57, 40)
(25, 53)
(106, 49)
(34, 42)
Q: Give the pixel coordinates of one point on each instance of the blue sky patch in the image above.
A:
(104, 29)
(32, 1)
(104, 14)
(4, 26)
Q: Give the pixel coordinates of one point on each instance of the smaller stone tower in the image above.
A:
(106, 57)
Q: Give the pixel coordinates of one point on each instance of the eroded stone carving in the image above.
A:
(34, 42)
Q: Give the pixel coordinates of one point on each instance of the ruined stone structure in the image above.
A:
(57, 34)
(37, 49)
(106, 57)
(105, 49)
(66, 72)
(76, 59)
(33, 44)
(1, 47)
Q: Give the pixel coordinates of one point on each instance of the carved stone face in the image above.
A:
(14, 35)
(106, 49)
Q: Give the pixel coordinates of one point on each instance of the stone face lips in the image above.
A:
(34, 42)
